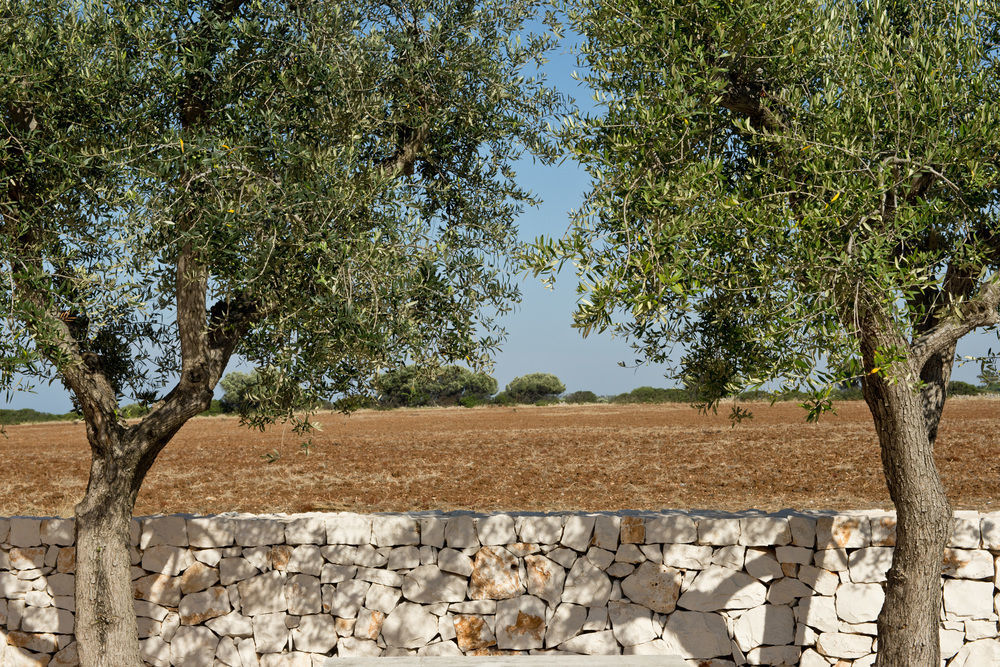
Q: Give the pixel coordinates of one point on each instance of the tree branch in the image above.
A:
(980, 311)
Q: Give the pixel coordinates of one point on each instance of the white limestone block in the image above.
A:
(950, 641)
(696, 635)
(382, 598)
(302, 593)
(454, 561)
(432, 531)
(592, 643)
(305, 559)
(803, 529)
(348, 598)
(761, 565)
(719, 532)
(631, 624)
(859, 603)
(979, 653)
(818, 612)
(394, 530)
(577, 532)
(970, 599)
(379, 576)
(966, 530)
(600, 558)
(687, 556)
(968, 564)
(565, 557)
(170, 561)
(539, 529)
(567, 622)
(869, 564)
(210, 531)
(352, 647)
(822, 581)
(166, 530)
(520, 623)
(834, 560)
(844, 531)
(731, 557)
(25, 532)
(368, 556)
(262, 594)
(460, 533)
(587, 585)
(227, 653)
(427, 584)
(198, 577)
(193, 646)
(655, 647)
(270, 634)
(233, 624)
(247, 651)
(804, 635)
(409, 625)
(630, 553)
(56, 531)
(197, 608)
(26, 558)
(154, 651)
(786, 591)
(840, 645)
(259, 532)
(232, 570)
(44, 619)
(495, 530)
(774, 655)
(308, 529)
(990, 528)
(348, 528)
(439, 649)
(606, 532)
(671, 529)
(544, 578)
(883, 530)
(404, 558)
(767, 624)
(975, 630)
(720, 588)
(811, 658)
(764, 531)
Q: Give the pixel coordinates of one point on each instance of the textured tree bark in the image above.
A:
(908, 625)
(106, 629)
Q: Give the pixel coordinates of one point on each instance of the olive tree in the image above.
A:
(322, 188)
(788, 190)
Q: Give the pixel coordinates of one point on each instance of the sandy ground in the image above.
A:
(597, 457)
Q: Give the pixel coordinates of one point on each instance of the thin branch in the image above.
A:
(980, 311)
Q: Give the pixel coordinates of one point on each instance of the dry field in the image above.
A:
(597, 457)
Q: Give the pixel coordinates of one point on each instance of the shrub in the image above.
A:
(503, 398)
(133, 410)
(655, 395)
(959, 388)
(534, 386)
(581, 397)
(413, 386)
(238, 388)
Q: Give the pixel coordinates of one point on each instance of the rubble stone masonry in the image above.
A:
(795, 588)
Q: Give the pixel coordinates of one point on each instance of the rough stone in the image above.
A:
(302, 593)
(232, 570)
(592, 643)
(409, 625)
(577, 532)
(990, 529)
(305, 530)
(472, 632)
(764, 531)
(883, 529)
(352, 647)
(379, 576)
(607, 529)
(193, 645)
(834, 560)
(545, 579)
(600, 557)
(332, 574)
(869, 564)
(982, 652)
(971, 599)
(968, 564)
(859, 603)
(170, 561)
(208, 532)
(348, 528)
(494, 575)
(786, 591)
(233, 624)
(263, 594)
(368, 624)
(768, 624)
(432, 531)
(270, 634)
(820, 580)
(428, 584)
(696, 635)
(840, 645)
(495, 530)
(631, 623)
(198, 577)
(382, 598)
(460, 533)
(653, 586)
(25, 532)
(348, 598)
(843, 531)
(731, 557)
(587, 585)
(980, 630)
(774, 655)
(719, 532)
(165, 530)
(520, 623)
(966, 532)
(597, 619)
(404, 558)
(258, 532)
(56, 531)
(158, 588)
(720, 588)
(818, 612)
(394, 530)
(670, 529)
(197, 608)
(761, 565)
(566, 622)
(26, 558)
(305, 559)
(687, 556)
(539, 529)
(452, 560)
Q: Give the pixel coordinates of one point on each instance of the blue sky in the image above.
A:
(540, 337)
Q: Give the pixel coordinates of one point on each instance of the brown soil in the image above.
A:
(596, 457)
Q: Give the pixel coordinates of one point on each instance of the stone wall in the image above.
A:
(793, 588)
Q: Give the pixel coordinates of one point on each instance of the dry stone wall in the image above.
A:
(241, 590)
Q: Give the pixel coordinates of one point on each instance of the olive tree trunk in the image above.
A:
(908, 625)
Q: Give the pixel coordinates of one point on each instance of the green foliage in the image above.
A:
(347, 191)
(772, 179)
(584, 396)
(414, 386)
(214, 410)
(504, 399)
(241, 392)
(959, 388)
(29, 416)
(534, 387)
(133, 411)
(654, 395)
